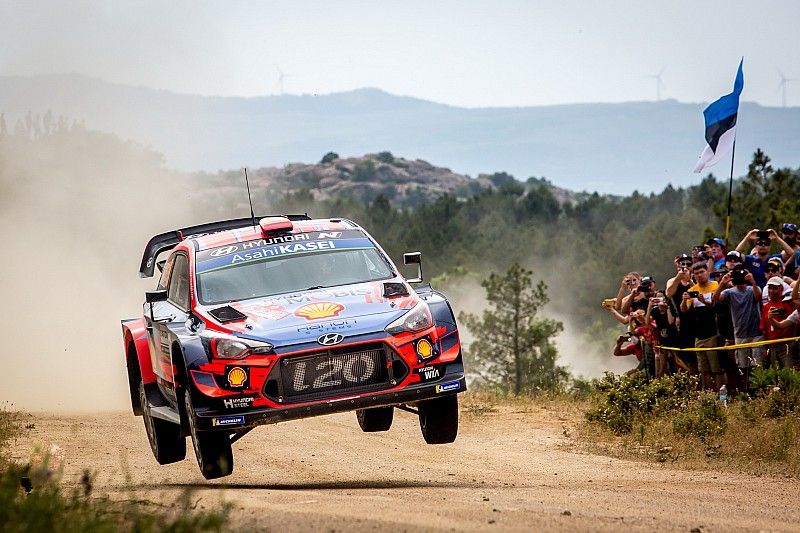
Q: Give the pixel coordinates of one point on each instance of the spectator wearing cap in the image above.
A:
(733, 258)
(697, 304)
(773, 270)
(739, 289)
(715, 247)
(777, 308)
(789, 235)
(756, 262)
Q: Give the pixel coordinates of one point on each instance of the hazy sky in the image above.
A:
(464, 53)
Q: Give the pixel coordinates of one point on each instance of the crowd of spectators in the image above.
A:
(716, 298)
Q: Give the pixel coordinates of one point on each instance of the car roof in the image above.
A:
(249, 233)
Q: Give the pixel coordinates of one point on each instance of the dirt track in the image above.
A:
(507, 471)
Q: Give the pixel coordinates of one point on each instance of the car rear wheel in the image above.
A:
(165, 438)
(438, 419)
(212, 448)
(375, 419)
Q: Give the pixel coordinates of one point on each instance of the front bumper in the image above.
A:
(214, 419)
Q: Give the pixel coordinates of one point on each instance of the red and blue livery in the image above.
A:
(256, 321)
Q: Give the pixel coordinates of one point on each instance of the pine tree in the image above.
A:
(512, 349)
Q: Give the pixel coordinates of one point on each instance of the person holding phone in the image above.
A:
(739, 290)
(775, 324)
(756, 262)
(697, 304)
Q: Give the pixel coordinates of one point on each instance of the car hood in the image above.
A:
(302, 316)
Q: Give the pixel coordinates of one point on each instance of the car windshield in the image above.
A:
(257, 276)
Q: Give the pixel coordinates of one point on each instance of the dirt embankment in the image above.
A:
(509, 470)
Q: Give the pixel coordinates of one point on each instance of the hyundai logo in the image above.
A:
(329, 339)
(225, 250)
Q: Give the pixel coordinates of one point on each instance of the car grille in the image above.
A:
(334, 372)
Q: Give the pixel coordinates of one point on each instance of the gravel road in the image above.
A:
(508, 470)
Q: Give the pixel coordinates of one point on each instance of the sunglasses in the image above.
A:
(763, 243)
(772, 269)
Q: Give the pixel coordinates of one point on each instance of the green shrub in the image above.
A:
(364, 171)
(329, 158)
(780, 387)
(703, 417)
(625, 398)
(385, 157)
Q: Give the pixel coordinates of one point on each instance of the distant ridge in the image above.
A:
(613, 148)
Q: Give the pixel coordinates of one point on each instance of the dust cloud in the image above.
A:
(76, 209)
(582, 357)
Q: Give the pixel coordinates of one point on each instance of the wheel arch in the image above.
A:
(137, 360)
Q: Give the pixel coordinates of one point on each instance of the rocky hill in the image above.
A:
(404, 182)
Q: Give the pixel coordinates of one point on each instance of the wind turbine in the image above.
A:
(659, 83)
(782, 86)
(281, 76)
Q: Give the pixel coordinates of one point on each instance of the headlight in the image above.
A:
(417, 319)
(235, 348)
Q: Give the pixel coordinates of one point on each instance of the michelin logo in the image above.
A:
(447, 387)
(227, 421)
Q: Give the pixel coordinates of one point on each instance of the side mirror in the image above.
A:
(156, 296)
(412, 258)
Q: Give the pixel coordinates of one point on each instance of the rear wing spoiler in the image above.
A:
(165, 241)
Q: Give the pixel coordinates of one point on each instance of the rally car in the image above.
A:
(257, 321)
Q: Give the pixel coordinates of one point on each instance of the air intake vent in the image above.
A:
(227, 314)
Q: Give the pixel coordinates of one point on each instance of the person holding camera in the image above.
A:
(626, 287)
(639, 297)
(697, 305)
(739, 289)
(776, 310)
(790, 235)
(773, 270)
(676, 287)
(661, 316)
(756, 262)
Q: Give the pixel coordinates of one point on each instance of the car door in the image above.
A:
(171, 318)
(155, 312)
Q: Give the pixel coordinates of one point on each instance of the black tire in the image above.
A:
(166, 442)
(375, 419)
(212, 448)
(134, 378)
(438, 419)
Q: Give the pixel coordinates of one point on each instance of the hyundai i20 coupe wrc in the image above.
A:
(259, 321)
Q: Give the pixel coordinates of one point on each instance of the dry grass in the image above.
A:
(33, 498)
(749, 441)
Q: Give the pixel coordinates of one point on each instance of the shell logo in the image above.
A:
(319, 310)
(424, 348)
(237, 377)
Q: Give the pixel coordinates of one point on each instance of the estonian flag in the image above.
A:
(720, 119)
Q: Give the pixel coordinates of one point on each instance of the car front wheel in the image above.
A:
(438, 419)
(212, 448)
(375, 419)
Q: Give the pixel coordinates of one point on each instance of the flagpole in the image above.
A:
(730, 193)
